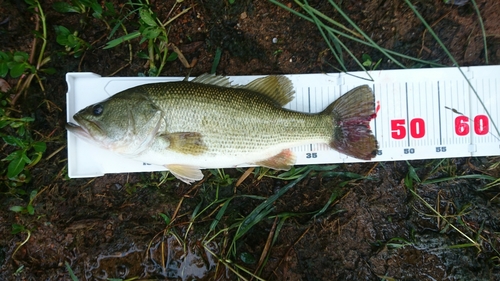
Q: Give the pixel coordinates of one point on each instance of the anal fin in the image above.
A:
(281, 161)
(185, 173)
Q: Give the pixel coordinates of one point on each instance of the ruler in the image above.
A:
(422, 114)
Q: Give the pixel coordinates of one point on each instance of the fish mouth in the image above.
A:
(79, 131)
(82, 131)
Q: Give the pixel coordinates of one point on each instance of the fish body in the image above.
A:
(209, 123)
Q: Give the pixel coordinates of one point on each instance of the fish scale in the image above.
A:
(247, 121)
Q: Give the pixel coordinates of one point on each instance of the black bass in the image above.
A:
(209, 123)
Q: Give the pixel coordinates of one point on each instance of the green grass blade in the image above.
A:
(70, 271)
(372, 43)
(333, 197)
(473, 176)
(482, 30)
(218, 54)
(477, 245)
(460, 246)
(118, 41)
(261, 211)
(354, 38)
(219, 215)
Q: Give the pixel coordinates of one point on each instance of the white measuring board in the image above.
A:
(422, 114)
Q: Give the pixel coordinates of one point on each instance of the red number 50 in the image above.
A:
(398, 128)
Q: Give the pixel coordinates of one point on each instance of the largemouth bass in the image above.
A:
(209, 123)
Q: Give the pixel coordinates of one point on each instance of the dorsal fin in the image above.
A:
(212, 79)
(278, 88)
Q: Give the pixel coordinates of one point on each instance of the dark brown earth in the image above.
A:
(374, 229)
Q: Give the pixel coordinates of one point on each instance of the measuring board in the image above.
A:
(422, 114)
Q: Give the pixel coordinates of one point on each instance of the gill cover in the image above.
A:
(125, 123)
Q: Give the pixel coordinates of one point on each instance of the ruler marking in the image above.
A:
(439, 116)
(497, 110)
(309, 98)
(471, 122)
(407, 113)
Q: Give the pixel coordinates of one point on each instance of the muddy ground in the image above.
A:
(375, 228)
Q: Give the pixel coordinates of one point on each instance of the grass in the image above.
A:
(454, 216)
(21, 150)
(35, 64)
(153, 31)
(335, 32)
(212, 220)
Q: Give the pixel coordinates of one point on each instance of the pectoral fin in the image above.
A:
(281, 161)
(186, 142)
(185, 173)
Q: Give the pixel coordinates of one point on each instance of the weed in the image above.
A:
(368, 62)
(221, 178)
(70, 271)
(17, 228)
(73, 44)
(29, 208)
(333, 32)
(277, 53)
(446, 221)
(23, 63)
(151, 30)
(26, 151)
(79, 6)
(15, 64)
(18, 270)
(217, 57)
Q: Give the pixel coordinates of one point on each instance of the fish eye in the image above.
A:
(97, 109)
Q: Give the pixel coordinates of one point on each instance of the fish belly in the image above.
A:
(216, 158)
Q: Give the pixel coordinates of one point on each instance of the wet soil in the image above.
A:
(375, 228)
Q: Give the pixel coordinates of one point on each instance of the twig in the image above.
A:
(425, 32)
(35, 39)
(244, 176)
(265, 251)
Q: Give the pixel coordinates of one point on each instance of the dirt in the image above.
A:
(375, 228)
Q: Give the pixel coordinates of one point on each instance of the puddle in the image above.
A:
(169, 259)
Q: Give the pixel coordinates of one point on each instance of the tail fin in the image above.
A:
(351, 115)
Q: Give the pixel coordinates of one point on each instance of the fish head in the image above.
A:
(126, 124)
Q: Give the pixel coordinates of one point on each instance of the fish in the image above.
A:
(206, 123)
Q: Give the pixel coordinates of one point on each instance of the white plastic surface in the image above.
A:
(413, 122)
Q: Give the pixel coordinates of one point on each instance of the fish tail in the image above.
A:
(351, 114)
